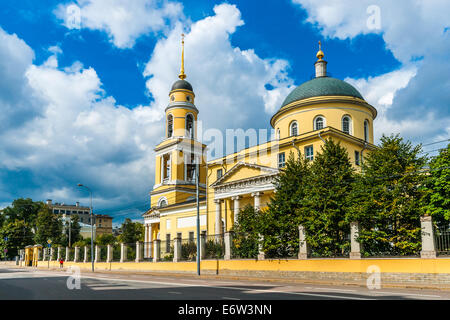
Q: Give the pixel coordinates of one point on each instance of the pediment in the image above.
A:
(244, 171)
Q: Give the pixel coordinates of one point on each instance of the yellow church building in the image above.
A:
(321, 108)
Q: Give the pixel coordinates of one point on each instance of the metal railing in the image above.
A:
(442, 242)
(214, 246)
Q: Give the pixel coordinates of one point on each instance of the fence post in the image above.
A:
(58, 254)
(76, 255)
(428, 246)
(138, 252)
(261, 254)
(355, 251)
(109, 253)
(202, 246)
(51, 254)
(123, 252)
(85, 254)
(67, 253)
(303, 249)
(156, 250)
(176, 249)
(227, 240)
(44, 255)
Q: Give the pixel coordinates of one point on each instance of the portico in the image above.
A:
(232, 192)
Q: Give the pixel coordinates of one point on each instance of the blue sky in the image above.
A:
(85, 105)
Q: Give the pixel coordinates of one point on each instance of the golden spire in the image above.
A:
(320, 54)
(182, 76)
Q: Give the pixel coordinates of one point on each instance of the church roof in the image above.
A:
(322, 86)
(182, 84)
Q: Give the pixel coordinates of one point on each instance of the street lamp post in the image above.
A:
(92, 227)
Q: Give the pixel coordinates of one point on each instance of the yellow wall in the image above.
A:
(405, 265)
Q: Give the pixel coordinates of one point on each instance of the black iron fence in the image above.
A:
(214, 246)
(442, 242)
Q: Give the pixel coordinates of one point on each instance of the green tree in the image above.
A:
(279, 224)
(23, 209)
(71, 225)
(387, 201)
(48, 226)
(131, 231)
(105, 239)
(246, 233)
(326, 201)
(18, 234)
(437, 189)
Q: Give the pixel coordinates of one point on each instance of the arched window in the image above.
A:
(190, 126)
(293, 129)
(169, 126)
(319, 123)
(346, 124)
(366, 130)
(162, 202)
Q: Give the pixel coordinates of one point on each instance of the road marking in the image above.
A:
(227, 298)
(409, 294)
(336, 289)
(174, 292)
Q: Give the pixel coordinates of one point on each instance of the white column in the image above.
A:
(157, 251)
(428, 245)
(146, 242)
(67, 253)
(355, 252)
(58, 254)
(257, 199)
(303, 246)
(261, 254)
(123, 252)
(85, 254)
(77, 253)
(138, 252)
(51, 254)
(202, 246)
(227, 240)
(97, 253)
(109, 253)
(44, 254)
(176, 249)
(218, 226)
(236, 207)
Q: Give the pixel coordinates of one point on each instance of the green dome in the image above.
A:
(322, 86)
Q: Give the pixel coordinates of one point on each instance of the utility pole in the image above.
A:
(197, 169)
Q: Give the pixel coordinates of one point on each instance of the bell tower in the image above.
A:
(180, 151)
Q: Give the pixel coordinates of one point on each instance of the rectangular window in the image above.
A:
(219, 173)
(179, 235)
(281, 160)
(357, 158)
(168, 243)
(191, 236)
(309, 153)
(56, 211)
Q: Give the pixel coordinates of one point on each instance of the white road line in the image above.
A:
(336, 289)
(227, 298)
(408, 294)
(230, 288)
(174, 292)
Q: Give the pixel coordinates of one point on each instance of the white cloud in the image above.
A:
(124, 21)
(229, 82)
(81, 134)
(416, 96)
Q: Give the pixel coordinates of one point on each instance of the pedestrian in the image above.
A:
(61, 263)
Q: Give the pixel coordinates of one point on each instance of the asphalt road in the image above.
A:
(38, 284)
